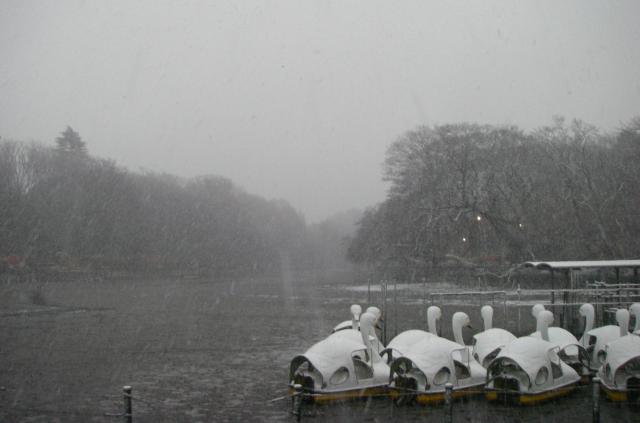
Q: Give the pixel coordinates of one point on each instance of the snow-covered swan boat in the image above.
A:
(571, 350)
(425, 367)
(620, 371)
(595, 340)
(529, 369)
(345, 365)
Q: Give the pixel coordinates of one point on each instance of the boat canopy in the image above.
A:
(594, 264)
(488, 341)
(530, 353)
(622, 350)
(333, 352)
(431, 354)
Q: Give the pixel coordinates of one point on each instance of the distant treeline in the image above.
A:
(467, 194)
(63, 210)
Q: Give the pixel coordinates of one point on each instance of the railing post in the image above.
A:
(448, 399)
(128, 413)
(596, 399)
(297, 402)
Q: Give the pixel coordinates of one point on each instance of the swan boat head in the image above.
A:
(356, 311)
(434, 313)
(634, 310)
(487, 344)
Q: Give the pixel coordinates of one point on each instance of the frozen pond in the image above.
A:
(202, 351)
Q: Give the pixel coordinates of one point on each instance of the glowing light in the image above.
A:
(478, 218)
(464, 239)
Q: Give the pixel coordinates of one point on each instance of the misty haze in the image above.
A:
(287, 211)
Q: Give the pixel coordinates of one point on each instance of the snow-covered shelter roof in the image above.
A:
(561, 265)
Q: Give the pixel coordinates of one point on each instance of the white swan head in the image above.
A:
(544, 319)
(375, 311)
(634, 309)
(586, 310)
(367, 322)
(622, 317)
(356, 310)
(434, 311)
(487, 316)
(459, 320)
(367, 319)
(536, 309)
(433, 315)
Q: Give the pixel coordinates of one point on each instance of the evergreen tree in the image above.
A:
(70, 141)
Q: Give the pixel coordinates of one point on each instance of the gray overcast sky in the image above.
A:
(300, 99)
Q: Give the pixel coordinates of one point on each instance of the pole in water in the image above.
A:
(424, 297)
(383, 287)
(518, 308)
(505, 311)
(448, 399)
(297, 402)
(128, 413)
(596, 399)
(395, 307)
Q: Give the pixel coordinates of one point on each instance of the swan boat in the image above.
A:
(571, 350)
(426, 366)
(529, 369)
(345, 365)
(595, 340)
(620, 371)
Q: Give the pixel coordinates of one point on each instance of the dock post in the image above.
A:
(128, 413)
(519, 318)
(424, 298)
(297, 402)
(505, 310)
(448, 399)
(385, 286)
(596, 399)
(395, 307)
